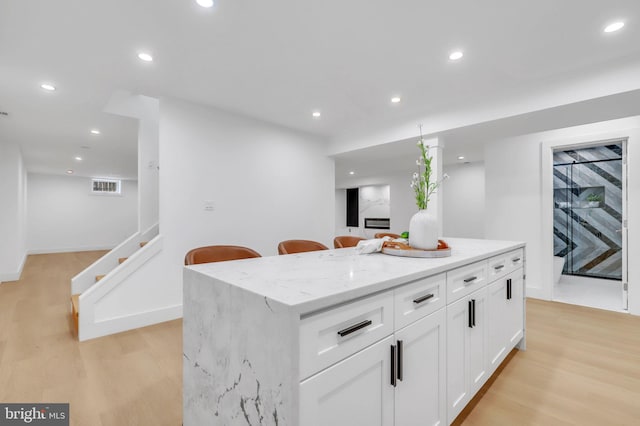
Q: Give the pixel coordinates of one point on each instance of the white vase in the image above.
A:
(423, 230)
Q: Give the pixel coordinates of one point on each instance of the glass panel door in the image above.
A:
(588, 211)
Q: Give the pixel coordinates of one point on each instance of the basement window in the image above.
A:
(106, 186)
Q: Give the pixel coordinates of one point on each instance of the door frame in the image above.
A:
(546, 157)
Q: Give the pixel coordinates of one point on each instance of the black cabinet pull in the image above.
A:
(354, 328)
(399, 367)
(516, 259)
(497, 268)
(473, 305)
(470, 315)
(468, 280)
(509, 289)
(422, 299)
(393, 366)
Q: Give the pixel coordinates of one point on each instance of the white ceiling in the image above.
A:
(469, 141)
(280, 60)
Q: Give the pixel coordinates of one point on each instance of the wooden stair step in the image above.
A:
(99, 277)
(75, 303)
(143, 243)
(122, 259)
(75, 310)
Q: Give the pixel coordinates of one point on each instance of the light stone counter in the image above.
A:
(241, 323)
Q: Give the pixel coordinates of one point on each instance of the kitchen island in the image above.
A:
(336, 338)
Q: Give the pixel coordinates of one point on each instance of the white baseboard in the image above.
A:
(536, 293)
(16, 275)
(129, 322)
(69, 249)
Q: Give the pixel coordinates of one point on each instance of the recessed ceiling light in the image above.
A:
(145, 57)
(95, 131)
(454, 56)
(614, 27)
(49, 87)
(316, 114)
(461, 157)
(352, 173)
(205, 3)
(395, 99)
(69, 172)
(78, 158)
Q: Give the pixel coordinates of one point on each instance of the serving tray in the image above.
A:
(404, 250)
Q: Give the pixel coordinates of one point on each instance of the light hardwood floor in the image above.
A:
(132, 378)
(581, 367)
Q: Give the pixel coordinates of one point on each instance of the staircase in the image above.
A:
(75, 298)
(108, 270)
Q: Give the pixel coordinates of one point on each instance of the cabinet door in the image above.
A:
(354, 392)
(478, 362)
(458, 324)
(421, 393)
(497, 329)
(514, 310)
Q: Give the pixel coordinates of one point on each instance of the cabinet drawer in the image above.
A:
(503, 264)
(516, 259)
(465, 280)
(418, 299)
(332, 335)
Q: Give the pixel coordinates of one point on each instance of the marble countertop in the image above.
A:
(308, 282)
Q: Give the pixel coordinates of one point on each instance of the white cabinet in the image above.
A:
(497, 344)
(356, 391)
(466, 280)
(438, 341)
(467, 329)
(401, 380)
(418, 299)
(478, 341)
(333, 335)
(514, 315)
(485, 320)
(420, 394)
(505, 317)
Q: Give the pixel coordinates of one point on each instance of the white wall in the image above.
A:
(463, 198)
(265, 183)
(373, 202)
(402, 201)
(146, 110)
(148, 165)
(515, 197)
(13, 190)
(341, 215)
(63, 215)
